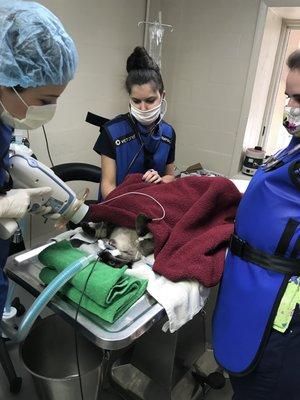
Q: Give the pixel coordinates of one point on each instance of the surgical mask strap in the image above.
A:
(141, 194)
(23, 101)
(165, 110)
(4, 108)
(2, 105)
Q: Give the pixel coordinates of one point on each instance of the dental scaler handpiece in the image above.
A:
(27, 172)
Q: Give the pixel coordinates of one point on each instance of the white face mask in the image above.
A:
(291, 120)
(36, 116)
(147, 117)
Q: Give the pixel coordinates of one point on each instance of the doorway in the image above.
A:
(273, 135)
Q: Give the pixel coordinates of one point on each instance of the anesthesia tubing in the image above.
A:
(42, 300)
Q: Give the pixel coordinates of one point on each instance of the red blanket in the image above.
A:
(190, 241)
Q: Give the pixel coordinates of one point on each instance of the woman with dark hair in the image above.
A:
(139, 141)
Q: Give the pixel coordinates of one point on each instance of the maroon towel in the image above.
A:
(190, 241)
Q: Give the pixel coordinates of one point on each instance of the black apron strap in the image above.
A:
(95, 119)
(242, 249)
(286, 237)
(296, 249)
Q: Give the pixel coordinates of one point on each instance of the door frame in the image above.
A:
(287, 26)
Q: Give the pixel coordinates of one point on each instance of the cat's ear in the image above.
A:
(103, 229)
(110, 227)
(146, 246)
(141, 222)
(88, 228)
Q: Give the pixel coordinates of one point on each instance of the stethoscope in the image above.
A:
(276, 160)
(142, 144)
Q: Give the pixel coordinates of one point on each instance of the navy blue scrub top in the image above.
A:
(107, 146)
(5, 139)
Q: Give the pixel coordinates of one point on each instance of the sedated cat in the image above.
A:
(131, 246)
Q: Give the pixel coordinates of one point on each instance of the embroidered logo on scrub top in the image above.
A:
(124, 139)
(165, 139)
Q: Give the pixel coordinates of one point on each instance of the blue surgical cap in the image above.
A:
(35, 49)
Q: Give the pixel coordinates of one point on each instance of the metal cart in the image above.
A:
(133, 346)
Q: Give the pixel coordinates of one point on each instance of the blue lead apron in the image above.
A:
(268, 219)
(128, 138)
(5, 138)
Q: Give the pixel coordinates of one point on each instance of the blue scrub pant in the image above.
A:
(277, 376)
(4, 249)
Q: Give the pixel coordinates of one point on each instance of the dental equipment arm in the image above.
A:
(27, 172)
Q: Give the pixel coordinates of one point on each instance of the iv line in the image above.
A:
(141, 194)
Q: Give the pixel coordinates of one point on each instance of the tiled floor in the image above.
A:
(224, 394)
(28, 391)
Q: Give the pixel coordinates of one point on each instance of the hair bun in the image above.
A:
(140, 59)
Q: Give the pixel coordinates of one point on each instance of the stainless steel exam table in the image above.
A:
(135, 339)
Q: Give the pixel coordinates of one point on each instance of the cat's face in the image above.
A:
(98, 230)
(131, 246)
(125, 240)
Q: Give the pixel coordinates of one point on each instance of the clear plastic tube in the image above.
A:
(42, 300)
(9, 298)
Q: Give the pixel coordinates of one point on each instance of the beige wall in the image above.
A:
(105, 32)
(205, 66)
(206, 69)
(209, 66)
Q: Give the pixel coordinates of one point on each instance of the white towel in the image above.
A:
(182, 300)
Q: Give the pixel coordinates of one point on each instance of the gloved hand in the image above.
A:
(14, 204)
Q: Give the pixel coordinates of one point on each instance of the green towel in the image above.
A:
(108, 293)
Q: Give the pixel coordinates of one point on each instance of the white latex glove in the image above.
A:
(14, 204)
